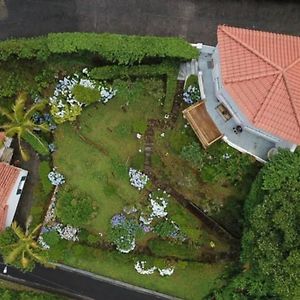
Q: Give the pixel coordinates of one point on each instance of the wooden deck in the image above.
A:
(202, 124)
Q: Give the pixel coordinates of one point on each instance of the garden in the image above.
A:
(116, 158)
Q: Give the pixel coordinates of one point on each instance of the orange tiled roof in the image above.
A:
(8, 177)
(261, 71)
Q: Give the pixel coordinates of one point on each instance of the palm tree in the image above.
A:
(21, 123)
(25, 251)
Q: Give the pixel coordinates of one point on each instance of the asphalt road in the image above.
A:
(196, 20)
(76, 286)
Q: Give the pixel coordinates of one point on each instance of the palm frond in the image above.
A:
(5, 112)
(12, 131)
(14, 254)
(44, 127)
(34, 108)
(42, 259)
(23, 151)
(19, 106)
(18, 230)
(35, 231)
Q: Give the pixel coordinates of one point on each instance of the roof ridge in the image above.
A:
(291, 65)
(267, 99)
(250, 77)
(290, 98)
(261, 56)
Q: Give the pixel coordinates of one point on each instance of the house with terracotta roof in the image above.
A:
(252, 92)
(12, 180)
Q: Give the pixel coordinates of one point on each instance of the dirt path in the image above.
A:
(32, 166)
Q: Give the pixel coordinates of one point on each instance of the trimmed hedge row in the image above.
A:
(121, 49)
(168, 69)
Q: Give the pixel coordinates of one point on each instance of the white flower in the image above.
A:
(56, 178)
(130, 248)
(162, 134)
(166, 271)
(138, 136)
(140, 268)
(42, 243)
(140, 150)
(137, 178)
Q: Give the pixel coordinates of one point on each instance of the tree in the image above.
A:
(270, 255)
(21, 123)
(271, 240)
(20, 248)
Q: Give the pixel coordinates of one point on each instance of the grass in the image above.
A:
(221, 198)
(189, 281)
(105, 177)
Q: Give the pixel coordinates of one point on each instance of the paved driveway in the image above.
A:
(195, 20)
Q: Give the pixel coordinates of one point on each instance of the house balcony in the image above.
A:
(243, 139)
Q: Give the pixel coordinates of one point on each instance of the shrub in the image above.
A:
(44, 170)
(165, 229)
(123, 233)
(85, 94)
(74, 208)
(51, 238)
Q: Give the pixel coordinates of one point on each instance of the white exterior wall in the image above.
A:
(238, 116)
(14, 198)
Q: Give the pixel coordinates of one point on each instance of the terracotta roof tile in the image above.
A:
(8, 177)
(261, 71)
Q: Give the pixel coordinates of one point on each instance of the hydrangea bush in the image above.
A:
(56, 178)
(141, 269)
(191, 95)
(137, 178)
(65, 106)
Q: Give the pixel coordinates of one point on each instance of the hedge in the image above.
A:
(121, 49)
(168, 69)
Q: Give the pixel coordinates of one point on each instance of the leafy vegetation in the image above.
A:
(116, 48)
(20, 123)
(270, 245)
(21, 249)
(75, 208)
(86, 95)
(44, 170)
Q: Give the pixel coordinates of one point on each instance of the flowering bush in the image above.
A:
(42, 243)
(191, 95)
(158, 206)
(166, 272)
(67, 232)
(72, 92)
(137, 178)
(123, 233)
(56, 178)
(107, 93)
(140, 268)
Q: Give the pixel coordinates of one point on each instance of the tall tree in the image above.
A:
(21, 249)
(21, 124)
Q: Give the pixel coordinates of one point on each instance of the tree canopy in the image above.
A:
(271, 240)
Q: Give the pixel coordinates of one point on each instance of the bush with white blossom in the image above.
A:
(137, 178)
(191, 95)
(141, 269)
(56, 178)
(65, 106)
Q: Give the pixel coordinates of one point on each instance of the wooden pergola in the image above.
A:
(202, 124)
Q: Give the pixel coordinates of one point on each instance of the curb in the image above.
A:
(118, 283)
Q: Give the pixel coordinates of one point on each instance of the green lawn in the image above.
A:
(95, 154)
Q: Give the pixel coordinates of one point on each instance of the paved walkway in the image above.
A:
(195, 20)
